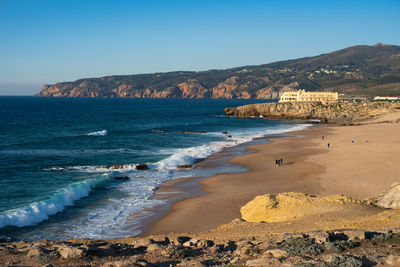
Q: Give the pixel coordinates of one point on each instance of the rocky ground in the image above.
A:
(333, 112)
(320, 248)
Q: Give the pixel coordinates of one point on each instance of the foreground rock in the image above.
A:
(70, 252)
(333, 112)
(288, 206)
(390, 199)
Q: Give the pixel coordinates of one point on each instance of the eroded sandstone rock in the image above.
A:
(70, 252)
(288, 206)
(390, 199)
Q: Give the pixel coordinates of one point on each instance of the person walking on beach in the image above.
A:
(276, 163)
(323, 137)
(329, 145)
(281, 161)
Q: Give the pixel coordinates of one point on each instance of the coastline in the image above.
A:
(175, 190)
(307, 168)
(225, 193)
(354, 232)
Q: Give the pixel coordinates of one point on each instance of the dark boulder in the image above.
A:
(121, 178)
(142, 167)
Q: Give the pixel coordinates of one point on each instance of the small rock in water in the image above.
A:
(142, 167)
(184, 166)
(121, 178)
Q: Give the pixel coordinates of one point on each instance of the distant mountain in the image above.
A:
(356, 70)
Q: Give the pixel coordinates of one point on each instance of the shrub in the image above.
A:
(343, 261)
(301, 246)
(53, 255)
(340, 245)
(304, 265)
(176, 252)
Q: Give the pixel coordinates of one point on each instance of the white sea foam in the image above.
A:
(93, 169)
(40, 211)
(189, 155)
(98, 133)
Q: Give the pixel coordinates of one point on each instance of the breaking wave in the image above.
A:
(41, 210)
(98, 133)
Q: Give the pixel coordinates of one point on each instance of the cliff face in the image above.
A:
(232, 87)
(366, 70)
(330, 112)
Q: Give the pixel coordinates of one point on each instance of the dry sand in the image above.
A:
(362, 169)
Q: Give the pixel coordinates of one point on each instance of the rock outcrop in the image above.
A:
(288, 206)
(328, 112)
(390, 199)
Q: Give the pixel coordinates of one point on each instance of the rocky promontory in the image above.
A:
(333, 112)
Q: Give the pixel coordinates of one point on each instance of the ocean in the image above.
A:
(55, 158)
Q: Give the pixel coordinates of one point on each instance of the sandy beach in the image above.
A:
(361, 162)
(304, 209)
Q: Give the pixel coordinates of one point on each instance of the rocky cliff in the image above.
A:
(359, 70)
(333, 112)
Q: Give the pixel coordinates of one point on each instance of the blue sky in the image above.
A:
(51, 41)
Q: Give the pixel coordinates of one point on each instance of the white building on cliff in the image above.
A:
(303, 96)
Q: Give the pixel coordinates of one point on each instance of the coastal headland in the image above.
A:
(333, 202)
(329, 112)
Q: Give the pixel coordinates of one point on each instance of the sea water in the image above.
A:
(55, 156)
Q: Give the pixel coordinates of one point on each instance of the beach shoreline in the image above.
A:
(305, 169)
(175, 190)
(202, 219)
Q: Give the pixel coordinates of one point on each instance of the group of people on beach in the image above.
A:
(323, 138)
(278, 162)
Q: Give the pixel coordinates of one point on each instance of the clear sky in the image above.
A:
(55, 40)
